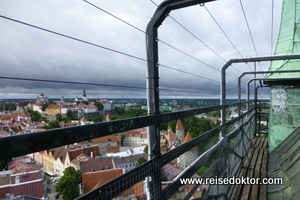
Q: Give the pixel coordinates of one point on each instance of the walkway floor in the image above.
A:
(255, 166)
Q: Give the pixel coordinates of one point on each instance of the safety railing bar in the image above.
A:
(39, 141)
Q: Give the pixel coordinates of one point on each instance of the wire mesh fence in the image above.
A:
(180, 172)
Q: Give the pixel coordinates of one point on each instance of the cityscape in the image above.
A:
(146, 100)
(99, 160)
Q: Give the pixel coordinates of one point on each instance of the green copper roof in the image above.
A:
(288, 40)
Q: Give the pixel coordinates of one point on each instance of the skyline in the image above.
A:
(35, 54)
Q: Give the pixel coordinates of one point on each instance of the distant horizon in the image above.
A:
(66, 98)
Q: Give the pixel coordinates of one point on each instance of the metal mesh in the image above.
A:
(208, 155)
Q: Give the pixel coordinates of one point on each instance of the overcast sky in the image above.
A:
(28, 52)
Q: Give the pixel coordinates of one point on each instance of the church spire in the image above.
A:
(84, 94)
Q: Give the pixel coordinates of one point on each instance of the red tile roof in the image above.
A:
(38, 104)
(95, 179)
(87, 151)
(187, 138)
(53, 106)
(179, 125)
(114, 149)
(96, 164)
(4, 133)
(34, 188)
(30, 184)
(112, 138)
(25, 177)
(137, 190)
(132, 133)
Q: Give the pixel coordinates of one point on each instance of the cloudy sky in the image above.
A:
(31, 53)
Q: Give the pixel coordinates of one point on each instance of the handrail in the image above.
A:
(18, 145)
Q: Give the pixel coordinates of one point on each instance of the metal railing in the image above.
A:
(222, 155)
(220, 151)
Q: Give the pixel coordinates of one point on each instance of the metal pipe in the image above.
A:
(245, 60)
(260, 72)
(158, 17)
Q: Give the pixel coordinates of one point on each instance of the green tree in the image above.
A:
(35, 115)
(58, 117)
(10, 106)
(99, 105)
(45, 105)
(120, 110)
(97, 119)
(70, 114)
(146, 149)
(141, 161)
(41, 119)
(53, 124)
(68, 185)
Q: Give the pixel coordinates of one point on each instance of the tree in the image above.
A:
(68, 185)
(70, 114)
(52, 124)
(146, 149)
(10, 106)
(141, 161)
(58, 117)
(35, 115)
(98, 119)
(45, 105)
(99, 105)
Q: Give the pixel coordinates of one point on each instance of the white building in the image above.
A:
(37, 107)
(129, 162)
(90, 109)
(107, 105)
(64, 109)
(135, 138)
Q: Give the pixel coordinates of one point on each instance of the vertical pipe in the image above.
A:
(240, 92)
(153, 183)
(223, 95)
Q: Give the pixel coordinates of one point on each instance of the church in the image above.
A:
(42, 99)
(83, 98)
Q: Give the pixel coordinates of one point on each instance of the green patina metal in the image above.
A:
(285, 93)
(284, 113)
(288, 40)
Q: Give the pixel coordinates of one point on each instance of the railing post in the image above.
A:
(223, 95)
(153, 183)
(257, 115)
